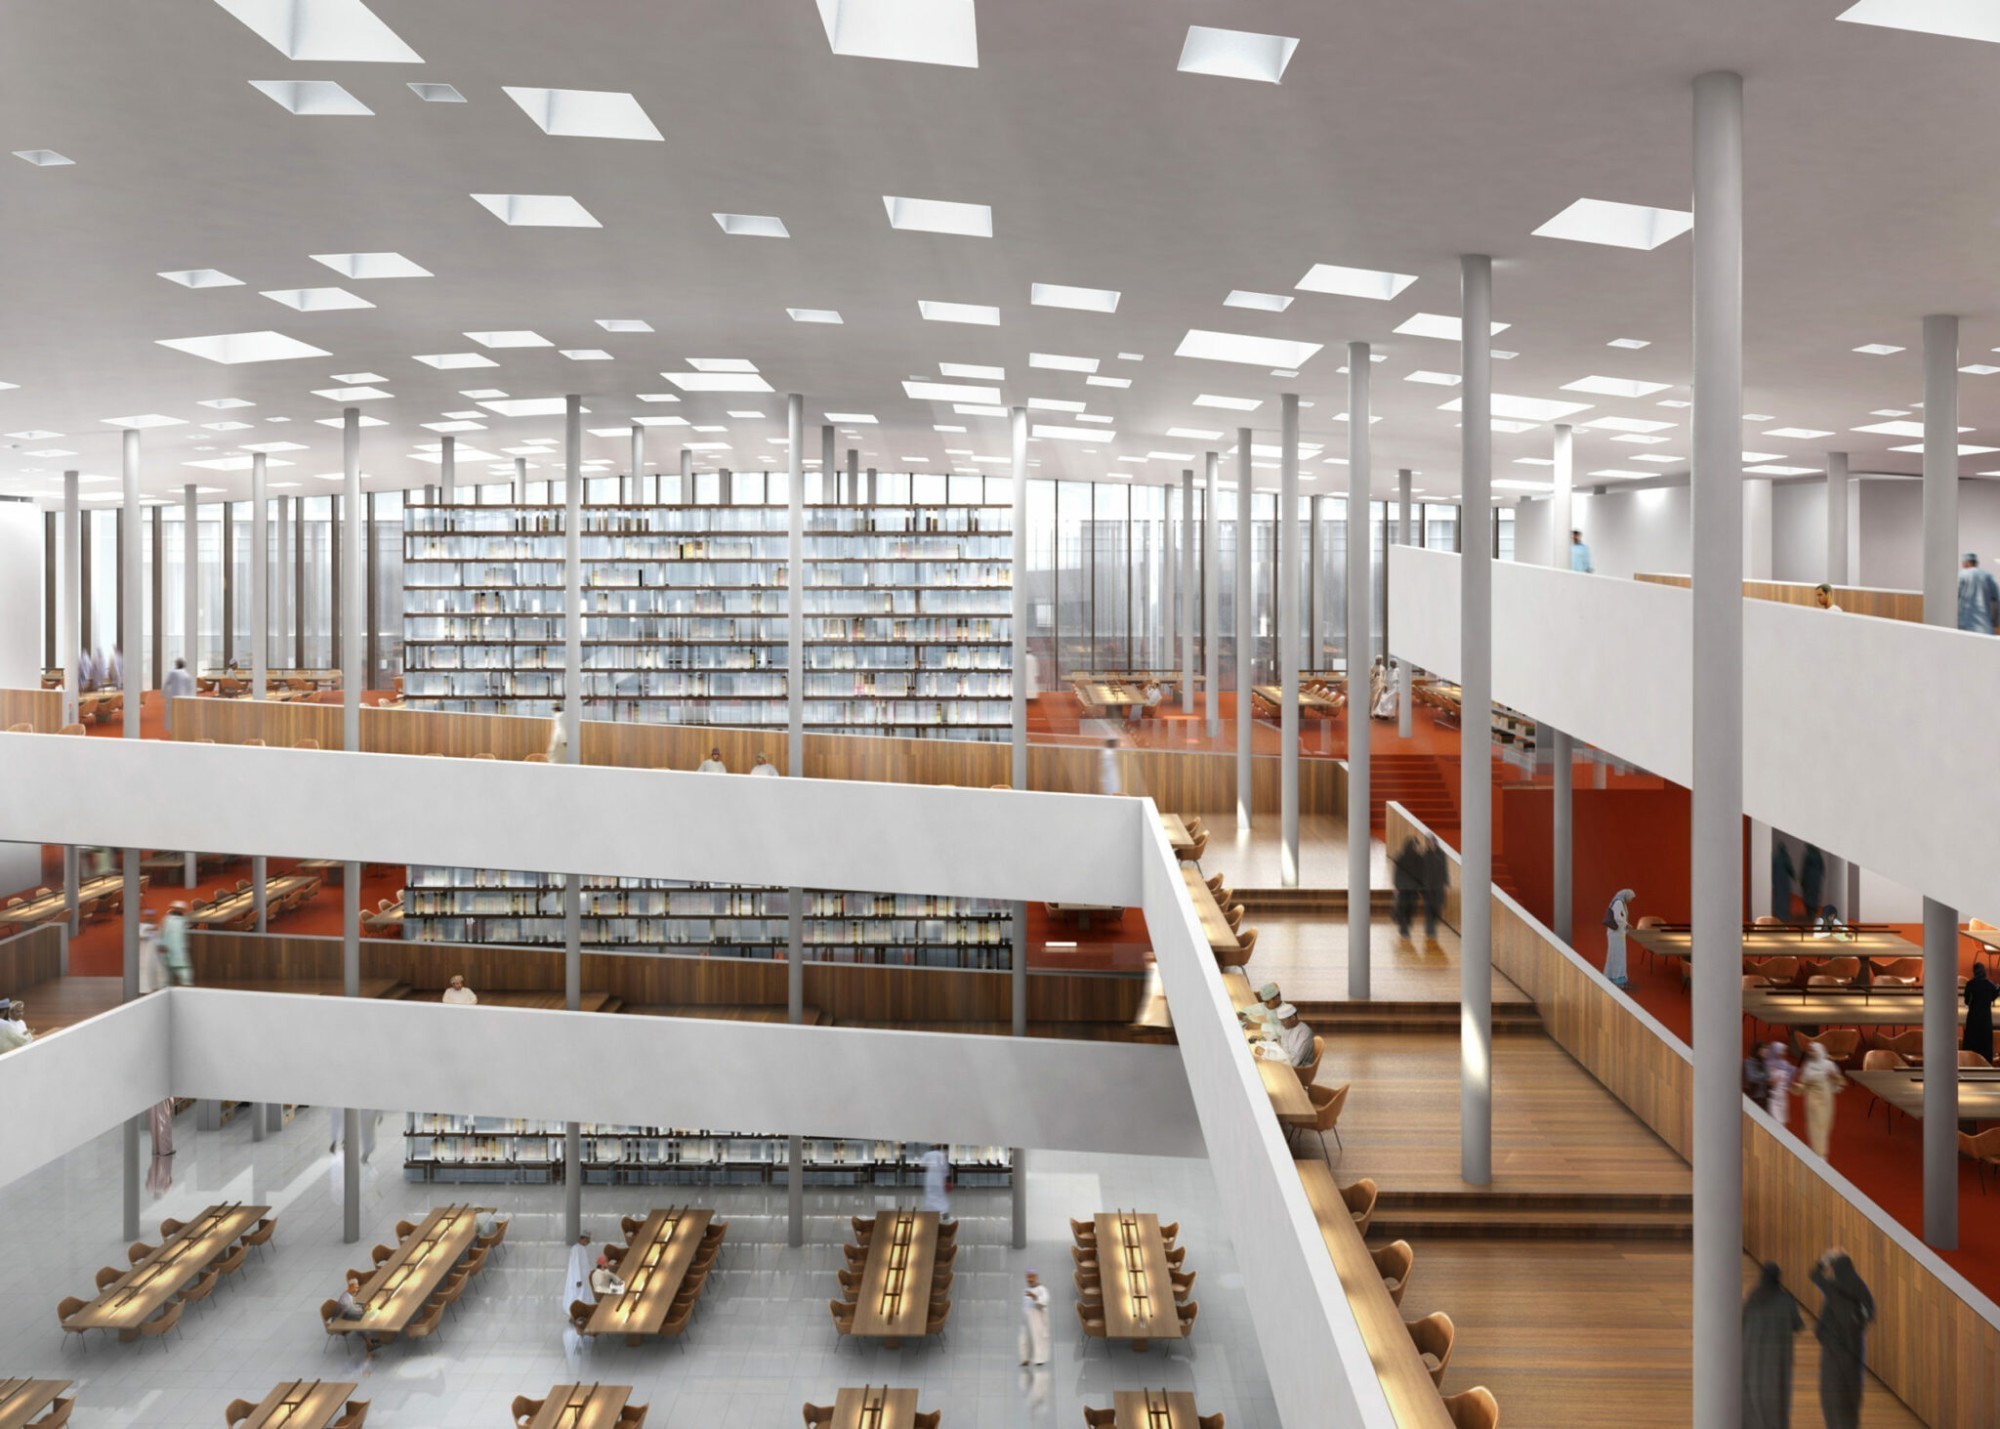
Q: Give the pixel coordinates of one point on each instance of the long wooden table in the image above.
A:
(141, 1292)
(1221, 937)
(1838, 1007)
(582, 1406)
(656, 1261)
(1154, 1409)
(1139, 1302)
(1413, 1398)
(393, 1295)
(238, 902)
(43, 907)
(1288, 1094)
(895, 1299)
(22, 1399)
(875, 1407)
(1903, 1089)
(1103, 694)
(300, 1404)
(1311, 702)
(1765, 942)
(1178, 837)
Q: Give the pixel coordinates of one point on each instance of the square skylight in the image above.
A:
(585, 113)
(977, 409)
(1771, 469)
(1194, 434)
(513, 337)
(1238, 347)
(1640, 439)
(1959, 19)
(1435, 379)
(953, 392)
(1615, 386)
(1096, 381)
(1631, 343)
(1236, 54)
(1530, 409)
(447, 361)
(1053, 404)
(722, 364)
(224, 404)
(43, 158)
(537, 210)
(973, 371)
(234, 347)
(1618, 225)
(351, 394)
(202, 278)
(530, 406)
(1964, 449)
(1054, 433)
(317, 300)
(363, 420)
(1354, 282)
(1898, 429)
(624, 324)
(717, 381)
(1439, 325)
(936, 32)
(930, 215)
(437, 93)
(1979, 369)
(1083, 300)
(812, 315)
(461, 425)
(1058, 362)
(1800, 434)
(310, 97)
(1262, 302)
(1628, 424)
(1878, 349)
(859, 419)
(585, 354)
(360, 266)
(751, 225)
(975, 313)
(323, 31)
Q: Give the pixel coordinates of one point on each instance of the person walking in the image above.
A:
(558, 750)
(1035, 1322)
(1406, 871)
(1812, 878)
(1108, 781)
(1770, 1321)
(1819, 1082)
(1781, 880)
(1778, 1076)
(1980, 994)
(174, 946)
(1579, 554)
(937, 1182)
(1845, 1313)
(1617, 919)
(1978, 597)
(179, 684)
(1436, 879)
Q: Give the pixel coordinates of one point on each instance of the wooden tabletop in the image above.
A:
(1281, 1080)
(656, 1262)
(1154, 1409)
(1139, 1300)
(1221, 937)
(300, 1404)
(1241, 994)
(1308, 699)
(582, 1406)
(52, 904)
(138, 1294)
(240, 901)
(1763, 943)
(875, 1407)
(1838, 1007)
(1903, 1089)
(1178, 837)
(1105, 695)
(22, 1399)
(393, 1295)
(1988, 936)
(1413, 1398)
(895, 1297)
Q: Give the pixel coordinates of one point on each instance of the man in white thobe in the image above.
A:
(1294, 1039)
(576, 1284)
(178, 685)
(937, 1175)
(458, 994)
(713, 764)
(1035, 1322)
(764, 768)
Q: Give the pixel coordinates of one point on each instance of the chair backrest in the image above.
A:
(1100, 1418)
(1089, 1285)
(1839, 1043)
(1433, 1336)
(355, 1417)
(109, 1275)
(1768, 920)
(1209, 1421)
(822, 1414)
(1848, 968)
(1188, 1313)
(1476, 1408)
(1968, 1058)
(328, 1309)
(1910, 1044)
(1393, 1262)
(162, 1322)
(1360, 1199)
(927, 1421)
(1881, 1059)
(1651, 920)
(1093, 1326)
(1985, 1146)
(73, 1303)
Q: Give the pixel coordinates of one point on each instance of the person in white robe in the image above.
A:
(458, 994)
(713, 764)
(764, 768)
(558, 750)
(179, 685)
(937, 1181)
(576, 1283)
(1617, 919)
(1035, 1322)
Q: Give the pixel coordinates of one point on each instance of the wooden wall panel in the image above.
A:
(1853, 600)
(40, 708)
(1938, 1351)
(30, 957)
(279, 723)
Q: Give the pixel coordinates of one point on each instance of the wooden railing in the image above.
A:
(40, 708)
(1936, 1341)
(1853, 600)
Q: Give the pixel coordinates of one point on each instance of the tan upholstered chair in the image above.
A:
(843, 1319)
(1474, 1409)
(1100, 1418)
(1309, 1071)
(1969, 1058)
(69, 1306)
(162, 1324)
(1360, 1199)
(1084, 1232)
(1328, 1103)
(1836, 972)
(525, 1409)
(1091, 1325)
(1238, 956)
(1393, 1263)
(819, 1415)
(1910, 1044)
(1433, 1336)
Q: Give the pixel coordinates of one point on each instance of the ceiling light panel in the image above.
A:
(1878, 349)
(974, 313)
(929, 215)
(938, 32)
(1435, 379)
(1964, 449)
(1049, 432)
(323, 31)
(202, 278)
(1229, 404)
(1194, 434)
(1632, 344)
(310, 97)
(224, 404)
(1800, 434)
(1083, 300)
(812, 315)
(437, 93)
(352, 394)
(1898, 429)
(461, 425)
(1439, 325)
(235, 347)
(585, 354)
(973, 371)
(1054, 404)
(537, 210)
(1770, 469)
(1959, 19)
(366, 266)
(1261, 302)
(1628, 424)
(952, 392)
(1617, 225)
(1354, 282)
(1615, 386)
(43, 158)
(717, 381)
(1238, 347)
(1094, 380)
(722, 364)
(530, 407)
(1236, 54)
(624, 324)
(751, 225)
(859, 419)
(144, 422)
(448, 361)
(1057, 362)
(585, 113)
(1527, 409)
(516, 337)
(317, 300)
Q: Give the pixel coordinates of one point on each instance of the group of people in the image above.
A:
(1384, 696)
(163, 951)
(1769, 1075)
(14, 1030)
(714, 765)
(1771, 1321)
(96, 672)
(1276, 1031)
(1419, 870)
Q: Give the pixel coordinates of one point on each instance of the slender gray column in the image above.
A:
(687, 476)
(1288, 640)
(638, 463)
(1564, 754)
(852, 494)
(71, 646)
(128, 518)
(1404, 717)
(448, 471)
(1561, 499)
(1245, 625)
(1757, 528)
(1475, 614)
(520, 480)
(350, 740)
(1211, 565)
(1716, 883)
(1360, 585)
(1167, 565)
(1836, 523)
(260, 640)
(281, 593)
(1188, 592)
(1017, 427)
(1941, 550)
(190, 650)
(571, 716)
(829, 473)
(795, 747)
(1315, 593)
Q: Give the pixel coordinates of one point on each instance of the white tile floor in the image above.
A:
(761, 1346)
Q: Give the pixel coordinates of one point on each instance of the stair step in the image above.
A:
(1445, 1215)
(1508, 1018)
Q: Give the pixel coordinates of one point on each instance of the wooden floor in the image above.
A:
(1582, 1334)
(66, 1001)
(1306, 955)
(1256, 859)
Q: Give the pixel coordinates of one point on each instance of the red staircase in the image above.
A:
(1414, 781)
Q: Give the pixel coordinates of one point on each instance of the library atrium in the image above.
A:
(1082, 462)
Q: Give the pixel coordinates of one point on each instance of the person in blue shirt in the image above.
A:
(1579, 554)
(1978, 597)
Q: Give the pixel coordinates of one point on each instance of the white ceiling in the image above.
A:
(1401, 136)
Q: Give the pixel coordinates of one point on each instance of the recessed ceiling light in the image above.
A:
(1878, 349)
(1053, 404)
(462, 425)
(1628, 424)
(938, 32)
(859, 419)
(1169, 456)
(1663, 458)
(1438, 325)
(1758, 417)
(437, 93)
(277, 419)
(812, 315)
(1435, 379)
(1236, 54)
(325, 31)
(930, 215)
(1979, 369)
(1288, 371)
(1194, 434)
(585, 113)
(1959, 19)
(1615, 474)
(751, 225)
(1898, 429)
(447, 361)
(975, 313)
(351, 394)
(1532, 409)
(1229, 404)
(1239, 347)
(717, 381)
(1618, 225)
(585, 354)
(43, 158)
(202, 278)
(1769, 469)
(234, 347)
(1096, 381)
(1262, 302)
(224, 404)
(1641, 439)
(624, 324)
(746, 415)
(1616, 387)
(946, 428)
(1964, 449)
(1085, 300)
(1354, 282)
(1509, 483)
(516, 337)
(953, 392)
(341, 421)
(1674, 402)
(530, 406)
(974, 371)
(977, 409)
(1801, 434)
(722, 364)
(1057, 362)
(1534, 461)
(1072, 434)
(357, 379)
(231, 463)
(1634, 343)
(537, 210)
(482, 394)
(317, 300)
(51, 453)
(658, 397)
(34, 434)
(714, 428)
(1889, 412)
(1093, 417)
(310, 96)
(660, 421)
(1763, 456)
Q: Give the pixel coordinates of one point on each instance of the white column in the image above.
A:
(135, 625)
(1315, 588)
(190, 650)
(1563, 803)
(1187, 590)
(1405, 718)
(1562, 519)
(1475, 519)
(520, 480)
(67, 651)
(260, 634)
(1288, 641)
(829, 473)
(1211, 564)
(1716, 883)
(1360, 590)
(1941, 553)
(852, 495)
(1757, 528)
(638, 464)
(1017, 428)
(687, 477)
(795, 754)
(350, 726)
(448, 471)
(1245, 625)
(571, 716)
(1836, 522)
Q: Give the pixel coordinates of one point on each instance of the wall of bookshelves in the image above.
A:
(448, 1148)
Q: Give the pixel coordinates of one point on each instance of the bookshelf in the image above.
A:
(439, 1147)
